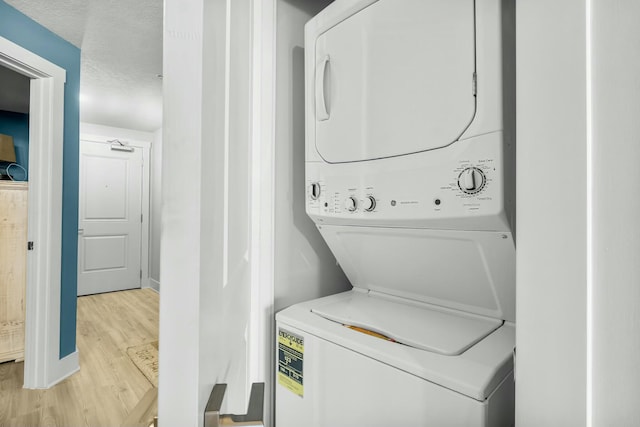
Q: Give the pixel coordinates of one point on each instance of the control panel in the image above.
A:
(436, 188)
(467, 181)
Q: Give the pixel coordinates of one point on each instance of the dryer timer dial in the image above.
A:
(471, 180)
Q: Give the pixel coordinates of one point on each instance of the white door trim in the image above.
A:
(146, 180)
(43, 366)
(263, 75)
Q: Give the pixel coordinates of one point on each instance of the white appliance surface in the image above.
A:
(344, 387)
(417, 191)
(421, 326)
(475, 373)
(404, 94)
(368, 70)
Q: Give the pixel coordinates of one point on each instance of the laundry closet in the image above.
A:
(395, 195)
(227, 262)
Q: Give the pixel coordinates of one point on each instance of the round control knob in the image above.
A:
(315, 191)
(471, 180)
(351, 204)
(369, 203)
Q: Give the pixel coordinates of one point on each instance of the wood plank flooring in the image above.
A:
(108, 386)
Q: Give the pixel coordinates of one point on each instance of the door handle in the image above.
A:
(322, 112)
(253, 417)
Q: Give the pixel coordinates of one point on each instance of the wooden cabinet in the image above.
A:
(13, 268)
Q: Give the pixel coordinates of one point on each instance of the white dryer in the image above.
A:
(410, 180)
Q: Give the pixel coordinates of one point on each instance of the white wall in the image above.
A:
(616, 232)
(304, 267)
(578, 330)
(155, 209)
(114, 132)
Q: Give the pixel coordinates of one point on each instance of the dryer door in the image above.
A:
(395, 78)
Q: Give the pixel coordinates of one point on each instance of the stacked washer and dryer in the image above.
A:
(410, 171)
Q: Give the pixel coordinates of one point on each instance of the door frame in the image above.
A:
(43, 367)
(195, 288)
(263, 142)
(145, 146)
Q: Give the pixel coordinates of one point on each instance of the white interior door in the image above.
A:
(110, 218)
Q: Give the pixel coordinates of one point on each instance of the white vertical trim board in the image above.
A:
(589, 229)
(614, 313)
(262, 198)
(181, 393)
(43, 366)
(225, 202)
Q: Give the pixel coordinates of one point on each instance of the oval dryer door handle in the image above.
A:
(322, 112)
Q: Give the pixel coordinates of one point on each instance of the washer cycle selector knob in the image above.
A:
(315, 191)
(369, 203)
(471, 180)
(351, 204)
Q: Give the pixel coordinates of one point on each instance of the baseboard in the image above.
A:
(66, 367)
(154, 284)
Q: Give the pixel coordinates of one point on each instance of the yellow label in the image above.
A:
(290, 340)
(290, 361)
(372, 333)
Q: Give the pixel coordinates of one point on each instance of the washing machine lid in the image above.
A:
(395, 78)
(417, 325)
(469, 271)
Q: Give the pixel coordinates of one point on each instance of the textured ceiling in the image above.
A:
(121, 44)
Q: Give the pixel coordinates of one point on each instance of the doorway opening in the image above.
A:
(14, 149)
(43, 366)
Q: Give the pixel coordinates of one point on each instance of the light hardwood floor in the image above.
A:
(108, 386)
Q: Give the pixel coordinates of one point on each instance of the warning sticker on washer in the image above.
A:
(290, 360)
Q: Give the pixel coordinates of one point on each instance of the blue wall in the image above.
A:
(32, 36)
(17, 125)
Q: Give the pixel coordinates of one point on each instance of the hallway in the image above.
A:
(108, 385)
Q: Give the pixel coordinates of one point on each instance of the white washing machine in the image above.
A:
(410, 180)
